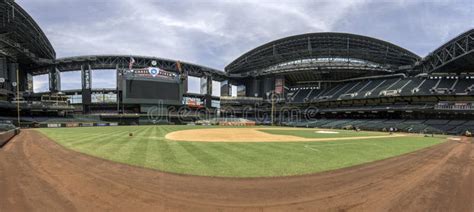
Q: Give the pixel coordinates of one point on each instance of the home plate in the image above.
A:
(326, 132)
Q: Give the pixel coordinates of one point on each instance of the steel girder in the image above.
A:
(460, 49)
(322, 66)
(123, 61)
(323, 45)
(21, 38)
(314, 71)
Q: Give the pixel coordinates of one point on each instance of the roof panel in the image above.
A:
(317, 45)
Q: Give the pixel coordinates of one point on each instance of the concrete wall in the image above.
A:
(6, 136)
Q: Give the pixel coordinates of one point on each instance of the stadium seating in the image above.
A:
(456, 127)
(385, 87)
(462, 86)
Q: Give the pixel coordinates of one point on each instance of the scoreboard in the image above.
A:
(151, 86)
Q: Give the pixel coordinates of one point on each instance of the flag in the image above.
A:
(178, 65)
(132, 61)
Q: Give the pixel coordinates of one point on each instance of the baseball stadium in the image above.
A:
(323, 121)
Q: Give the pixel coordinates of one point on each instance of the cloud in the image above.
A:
(71, 80)
(419, 26)
(104, 79)
(213, 33)
(41, 83)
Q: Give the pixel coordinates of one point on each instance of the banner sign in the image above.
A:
(72, 124)
(54, 125)
(153, 72)
(279, 84)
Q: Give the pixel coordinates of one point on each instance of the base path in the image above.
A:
(252, 135)
(37, 174)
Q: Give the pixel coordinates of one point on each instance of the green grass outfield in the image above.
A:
(148, 148)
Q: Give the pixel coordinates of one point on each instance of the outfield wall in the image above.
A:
(75, 124)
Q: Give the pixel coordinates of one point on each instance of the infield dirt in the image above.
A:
(37, 174)
(251, 135)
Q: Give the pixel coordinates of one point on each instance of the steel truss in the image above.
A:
(21, 38)
(460, 47)
(323, 45)
(123, 61)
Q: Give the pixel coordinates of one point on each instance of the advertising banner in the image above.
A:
(279, 84)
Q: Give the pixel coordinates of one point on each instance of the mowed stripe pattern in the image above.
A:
(149, 148)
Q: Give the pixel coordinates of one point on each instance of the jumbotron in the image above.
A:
(328, 80)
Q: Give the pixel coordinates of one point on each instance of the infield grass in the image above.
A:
(149, 148)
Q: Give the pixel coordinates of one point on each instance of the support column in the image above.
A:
(120, 78)
(29, 83)
(208, 96)
(23, 80)
(268, 86)
(3, 73)
(54, 80)
(12, 78)
(225, 88)
(203, 85)
(184, 83)
(253, 87)
(86, 88)
(209, 85)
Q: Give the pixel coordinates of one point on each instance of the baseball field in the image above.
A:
(195, 168)
(237, 152)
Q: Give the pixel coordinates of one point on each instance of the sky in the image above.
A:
(213, 33)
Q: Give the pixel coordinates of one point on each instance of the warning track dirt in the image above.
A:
(38, 174)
